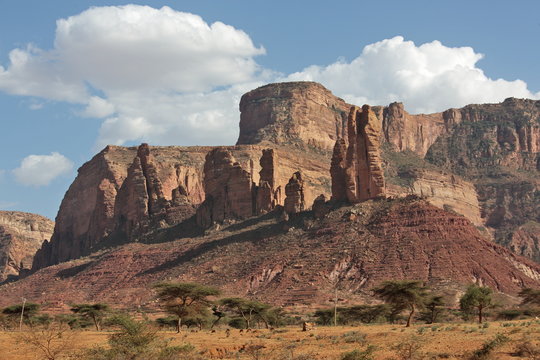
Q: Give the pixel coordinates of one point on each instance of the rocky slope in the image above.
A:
(21, 235)
(292, 262)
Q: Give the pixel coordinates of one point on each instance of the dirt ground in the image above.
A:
(444, 341)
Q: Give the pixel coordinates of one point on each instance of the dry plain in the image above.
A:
(440, 341)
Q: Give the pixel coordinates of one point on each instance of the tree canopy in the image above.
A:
(402, 294)
(530, 296)
(95, 312)
(184, 299)
(247, 309)
(478, 298)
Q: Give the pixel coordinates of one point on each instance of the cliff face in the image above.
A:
(356, 170)
(496, 147)
(123, 193)
(21, 235)
(297, 113)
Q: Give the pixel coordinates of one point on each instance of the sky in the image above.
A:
(78, 75)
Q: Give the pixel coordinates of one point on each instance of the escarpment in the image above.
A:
(21, 235)
(480, 161)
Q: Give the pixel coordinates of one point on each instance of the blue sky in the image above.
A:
(173, 77)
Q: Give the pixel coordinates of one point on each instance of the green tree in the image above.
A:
(435, 306)
(181, 299)
(13, 312)
(530, 296)
(401, 295)
(247, 309)
(476, 298)
(95, 312)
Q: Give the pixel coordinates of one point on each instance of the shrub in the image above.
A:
(487, 348)
(137, 341)
(50, 341)
(356, 354)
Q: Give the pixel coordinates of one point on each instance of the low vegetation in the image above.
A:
(412, 323)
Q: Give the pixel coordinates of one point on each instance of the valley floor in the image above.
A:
(444, 341)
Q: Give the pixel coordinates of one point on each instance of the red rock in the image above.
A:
(358, 176)
(21, 235)
(228, 187)
(294, 194)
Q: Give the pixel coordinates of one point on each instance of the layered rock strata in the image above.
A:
(304, 114)
(21, 235)
(356, 169)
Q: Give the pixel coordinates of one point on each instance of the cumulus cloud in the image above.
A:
(427, 78)
(146, 64)
(40, 170)
(168, 77)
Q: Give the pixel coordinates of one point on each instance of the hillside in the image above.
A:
(354, 247)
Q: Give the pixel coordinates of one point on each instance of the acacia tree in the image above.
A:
(28, 310)
(530, 296)
(401, 295)
(181, 299)
(247, 309)
(434, 305)
(95, 312)
(478, 298)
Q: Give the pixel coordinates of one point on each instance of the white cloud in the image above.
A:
(168, 77)
(147, 65)
(98, 108)
(40, 170)
(426, 78)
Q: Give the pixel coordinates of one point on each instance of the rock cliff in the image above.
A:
(356, 170)
(480, 161)
(303, 114)
(496, 147)
(21, 235)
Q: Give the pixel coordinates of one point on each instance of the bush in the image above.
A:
(366, 354)
(137, 341)
(487, 348)
(509, 314)
(51, 341)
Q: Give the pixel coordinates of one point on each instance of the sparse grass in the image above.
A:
(449, 341)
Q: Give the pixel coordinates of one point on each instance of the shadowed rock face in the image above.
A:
(356, 170)
(21, 235)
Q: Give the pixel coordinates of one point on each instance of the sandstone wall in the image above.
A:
(21, 235)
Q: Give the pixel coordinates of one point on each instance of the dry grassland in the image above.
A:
(441, 341)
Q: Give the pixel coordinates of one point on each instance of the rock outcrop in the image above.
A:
(268, 193)
(358, 175)
(228, 187)
(294, 194)
(301, 114)
(21, 235)
(299, 123)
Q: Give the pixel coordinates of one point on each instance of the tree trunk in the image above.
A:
(480, 314)
(96, 323)
(178, 325)
(410, 316)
